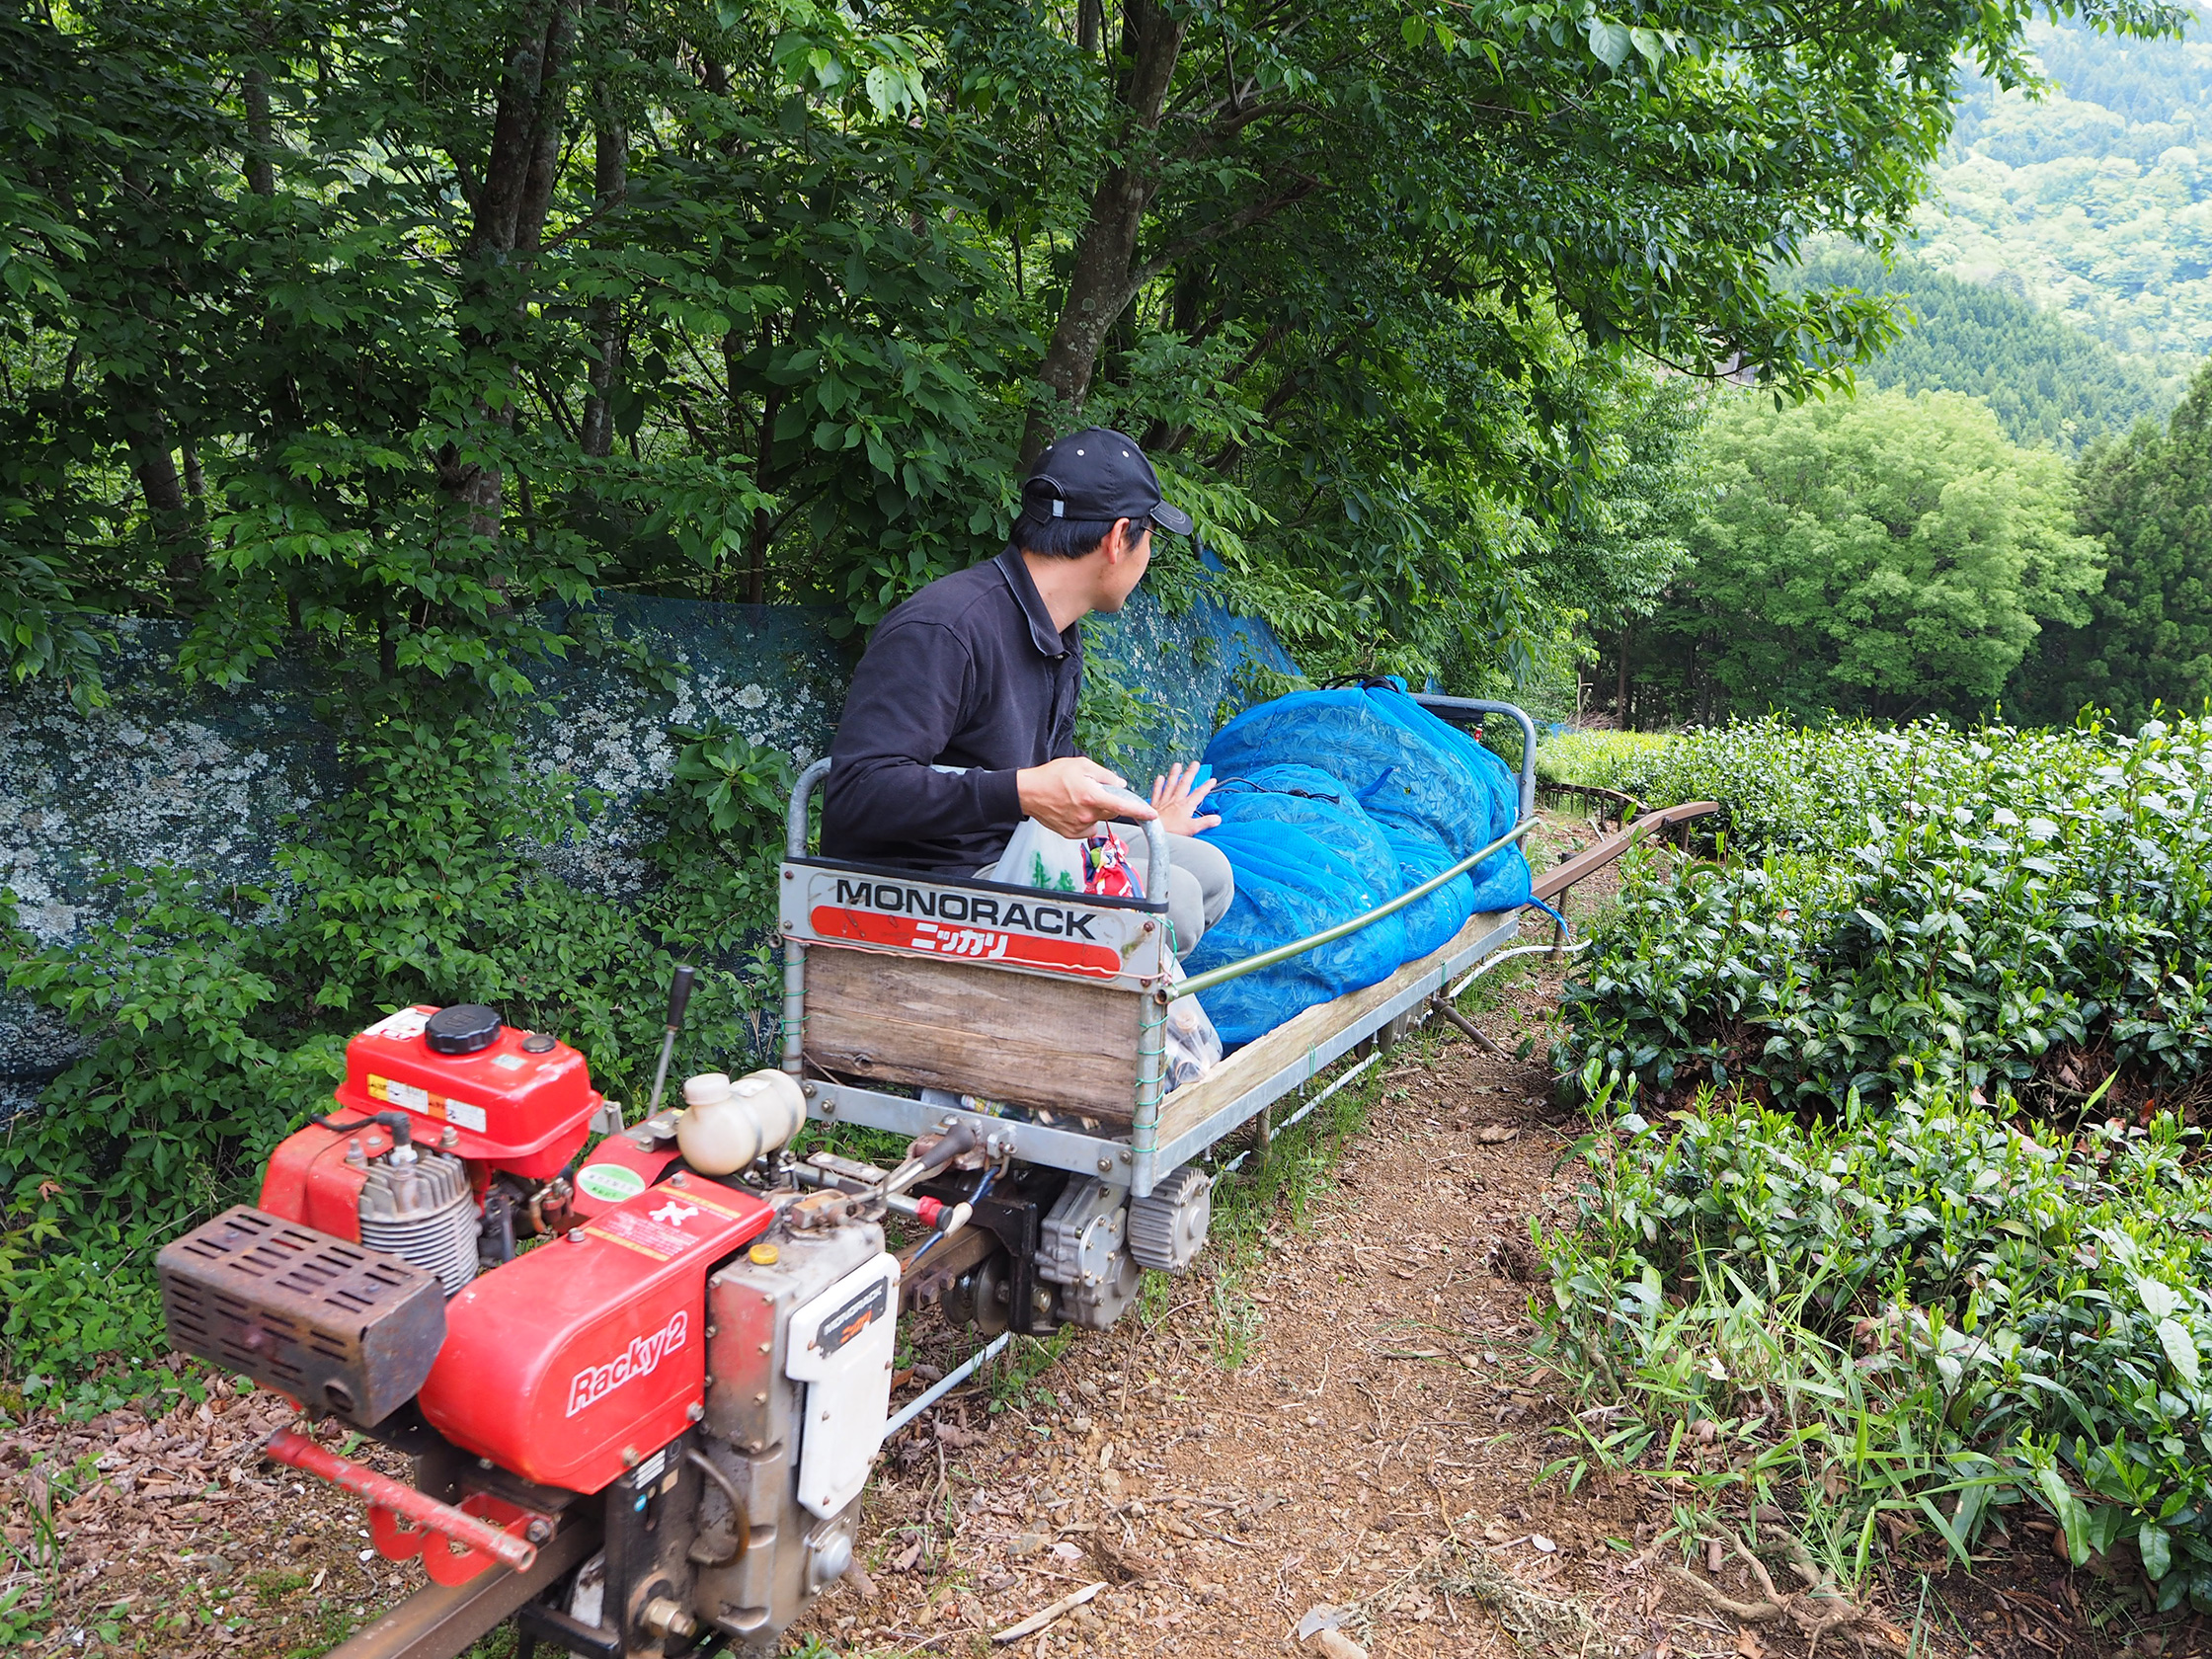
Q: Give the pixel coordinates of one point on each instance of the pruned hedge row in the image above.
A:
(1899, 1161)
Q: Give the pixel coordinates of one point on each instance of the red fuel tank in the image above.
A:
(576, 1359)
(522, 1102)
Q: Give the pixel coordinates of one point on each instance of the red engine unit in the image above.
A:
(522, 1103)
(572, 1362)
(519, 1103)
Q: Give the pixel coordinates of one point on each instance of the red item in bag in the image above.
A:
(1107, 871)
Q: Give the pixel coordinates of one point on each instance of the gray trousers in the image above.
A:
(1200, 885)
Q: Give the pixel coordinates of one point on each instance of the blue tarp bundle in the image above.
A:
(1331, 803)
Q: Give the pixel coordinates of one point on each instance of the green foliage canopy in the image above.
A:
(2047, 381)
(355, 330)
(1887, 554)
(2148, 634)
(2094, 200)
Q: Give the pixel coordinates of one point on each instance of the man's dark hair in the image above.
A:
(1067, 539)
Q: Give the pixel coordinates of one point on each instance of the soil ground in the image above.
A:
(1338, 1412)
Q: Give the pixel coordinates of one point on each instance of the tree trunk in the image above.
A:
(512, 202)
(1104, 278)
(1620, 687)
(168, 514)
(610, 183)
(763, 467)
(285, 410)
(261, 135)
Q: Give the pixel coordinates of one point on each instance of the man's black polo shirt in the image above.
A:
(970, 674)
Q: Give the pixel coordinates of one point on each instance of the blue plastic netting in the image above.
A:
(1398, 797)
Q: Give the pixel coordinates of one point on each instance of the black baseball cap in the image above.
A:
(1097, 475)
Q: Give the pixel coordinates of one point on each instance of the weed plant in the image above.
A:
(1925, 1312)
(1908, 1224)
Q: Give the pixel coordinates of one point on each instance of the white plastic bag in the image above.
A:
(1194, 1047)
(1036, 856)
(1040, 857)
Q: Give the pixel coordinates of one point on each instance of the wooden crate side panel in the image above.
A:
(1019, 1038)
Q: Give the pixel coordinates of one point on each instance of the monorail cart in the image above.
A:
(648, 1435)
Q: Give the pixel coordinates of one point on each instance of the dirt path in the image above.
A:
(1342, 1414)
(1377, 1433)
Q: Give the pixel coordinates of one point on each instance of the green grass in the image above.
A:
(1623, 760)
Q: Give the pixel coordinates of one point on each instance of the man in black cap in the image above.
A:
(960, 718)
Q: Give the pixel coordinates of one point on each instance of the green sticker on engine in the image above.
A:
(610, 1183)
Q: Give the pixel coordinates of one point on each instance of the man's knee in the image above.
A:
(1210, 867)
(1200, 886)
(1186, 908)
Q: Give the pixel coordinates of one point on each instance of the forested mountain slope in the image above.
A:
(2047, 381)
(2094, 202)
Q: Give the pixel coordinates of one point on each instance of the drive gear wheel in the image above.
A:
(1167, 1227)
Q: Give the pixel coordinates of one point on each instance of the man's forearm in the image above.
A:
(885, 798)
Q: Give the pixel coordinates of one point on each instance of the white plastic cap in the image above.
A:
(706, 1088)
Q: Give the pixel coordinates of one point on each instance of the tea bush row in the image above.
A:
(2001, 909)
(1897, 1246)
(1927, 1310)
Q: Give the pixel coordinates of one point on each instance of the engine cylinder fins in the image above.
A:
(424, 1213)
(1167, 1227)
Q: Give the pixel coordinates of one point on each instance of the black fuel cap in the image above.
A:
(463, 1029)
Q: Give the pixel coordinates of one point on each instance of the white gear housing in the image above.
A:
(1167, 1227)
(841, 1346)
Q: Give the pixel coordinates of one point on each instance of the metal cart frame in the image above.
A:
(1164, 1130)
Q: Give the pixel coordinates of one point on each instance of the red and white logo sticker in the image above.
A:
(1040, 933)
(641, 1358)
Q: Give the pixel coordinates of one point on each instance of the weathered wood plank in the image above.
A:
(1263, 1057)
(1019, 1038)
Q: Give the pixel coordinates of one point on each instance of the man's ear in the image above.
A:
(1117, 542)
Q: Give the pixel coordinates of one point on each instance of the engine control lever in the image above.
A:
(961, 1137)
(679, 995)
(932, 1213)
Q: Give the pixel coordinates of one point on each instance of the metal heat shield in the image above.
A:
(338, 1326)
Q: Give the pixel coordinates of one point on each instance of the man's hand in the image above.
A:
(1176, 800)
(1071, 796)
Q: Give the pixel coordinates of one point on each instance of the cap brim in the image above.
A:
(1172, 520)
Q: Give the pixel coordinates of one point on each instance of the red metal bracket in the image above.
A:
(481, 1531)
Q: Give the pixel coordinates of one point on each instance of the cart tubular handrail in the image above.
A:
(1328, 935)
(1445, 707)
